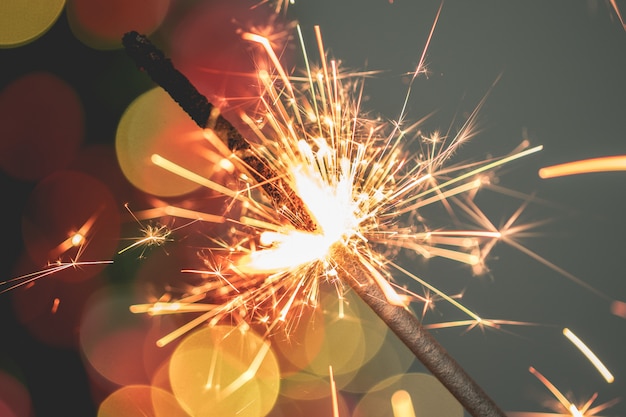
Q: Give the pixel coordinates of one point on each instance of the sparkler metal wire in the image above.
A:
(400, 320)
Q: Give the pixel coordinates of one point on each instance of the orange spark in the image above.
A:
(402, 405)
(618, 13)
(585, 166)
(76, 239)
(55, 305)
(584, 410)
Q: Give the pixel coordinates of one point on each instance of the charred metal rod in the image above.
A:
(402, 322)
(153, 61)
(423, 345)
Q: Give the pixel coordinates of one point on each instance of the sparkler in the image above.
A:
(329, 167)
(255, 232)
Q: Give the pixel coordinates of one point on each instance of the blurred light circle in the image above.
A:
(101, 24)
(71, 217)
(393, 358)
(113, 340)
(399, 395)
(41, 126)
(320, 407)
(140, 400)
(14, 397)
(342, 333)
(226, 71)
(225, 371)
(100, 162)
(305, 385)
(23, 21)
(300, 340)
(155, 124)
(353, 335)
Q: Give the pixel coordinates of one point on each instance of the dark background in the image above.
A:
(563, 85)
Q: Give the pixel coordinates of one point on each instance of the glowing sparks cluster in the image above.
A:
(362, 181)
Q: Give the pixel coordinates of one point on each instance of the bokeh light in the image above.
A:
(155, 124)
(353, 334)
(41, 125)
(223, 71)
(140, 400)
(23, 21)
(100, 24)
(312, 407)
(420, 393)
(14, 398)
(118, 345)
(225, 371)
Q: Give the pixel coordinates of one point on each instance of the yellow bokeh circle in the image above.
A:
(225, 371)
(23, 21)
(140, 400)
(154, 124)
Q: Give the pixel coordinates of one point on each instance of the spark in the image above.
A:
(55, 305)
(76, 239)
(333, 392)
(618, 13)
(156, 234)
(603, 164)
(606, 374)
(482, 323)
(402, 405)
(51, 269)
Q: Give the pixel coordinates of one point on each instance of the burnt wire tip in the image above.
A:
(402, 322)
(161, 70)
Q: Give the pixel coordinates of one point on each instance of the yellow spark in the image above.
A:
(193, 214)
(586, 166)
(482, 323)
(177, 169)
(557, 394)
(333, 391)
(77, 239)
(606, 374)
(401, 404)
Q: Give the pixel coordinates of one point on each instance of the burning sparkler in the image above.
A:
(337, 186)
(313, 172)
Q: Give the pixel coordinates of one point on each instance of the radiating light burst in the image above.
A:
(345, 186)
